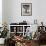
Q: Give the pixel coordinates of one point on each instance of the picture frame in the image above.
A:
(26, 9)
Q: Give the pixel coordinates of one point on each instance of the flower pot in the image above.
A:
(2, 40)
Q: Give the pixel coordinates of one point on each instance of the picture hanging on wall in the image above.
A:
(26, 9)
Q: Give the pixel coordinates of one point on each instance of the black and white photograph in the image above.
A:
(26, 9)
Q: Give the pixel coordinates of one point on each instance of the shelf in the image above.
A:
(19, 32)
(12, 32)
(16, 32)
(19, 27)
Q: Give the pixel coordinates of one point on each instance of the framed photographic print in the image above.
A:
(26, 9)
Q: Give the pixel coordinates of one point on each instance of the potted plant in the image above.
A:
(3, 34)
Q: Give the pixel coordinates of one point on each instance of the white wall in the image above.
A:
(39, 10)
(0, 13)
(12, 10)
(15, 10)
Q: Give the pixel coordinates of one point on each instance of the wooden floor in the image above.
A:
(34, 44)
(42, 45)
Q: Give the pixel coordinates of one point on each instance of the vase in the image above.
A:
(2, 40)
